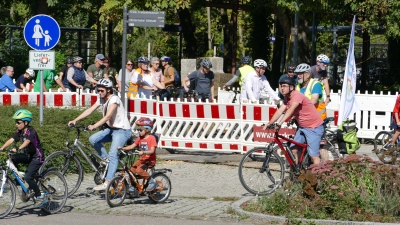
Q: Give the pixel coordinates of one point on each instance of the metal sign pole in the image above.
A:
(41, 97)
(123, 80)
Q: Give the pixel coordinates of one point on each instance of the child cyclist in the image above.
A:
(396, 121)
(33, 151)
(147, 144)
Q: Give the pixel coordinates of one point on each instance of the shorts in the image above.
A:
(313, 137)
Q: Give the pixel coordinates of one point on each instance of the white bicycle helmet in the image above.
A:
(260, 63)
(323, 58)
(301, 68)
(30, 72)
(76, 59)
(104, 83)
(165, 58)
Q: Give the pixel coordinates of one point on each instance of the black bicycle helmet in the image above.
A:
(68, 60)
(288, 80)
(291, 67)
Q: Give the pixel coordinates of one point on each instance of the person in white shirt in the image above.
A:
(255, 82)
(115, 127)
(143, 77)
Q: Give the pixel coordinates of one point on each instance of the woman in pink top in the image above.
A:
(156, 72)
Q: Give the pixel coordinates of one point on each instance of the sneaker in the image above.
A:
(151, 184)
(104, 163)
(100, 187)
(41, 200)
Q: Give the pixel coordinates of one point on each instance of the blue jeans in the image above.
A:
(117, 137)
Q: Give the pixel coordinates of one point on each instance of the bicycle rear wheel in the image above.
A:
(261, 171)
(162, 190)
(67, 165)
(331, 145)
(382, 148)
(116, 191)
(55, 188)
(7, 198)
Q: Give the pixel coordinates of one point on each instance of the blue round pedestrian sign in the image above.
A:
(42, 32)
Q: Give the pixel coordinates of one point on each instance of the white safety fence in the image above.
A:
(217, 126)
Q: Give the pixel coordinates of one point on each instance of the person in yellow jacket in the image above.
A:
(241, 72)
(313, 90)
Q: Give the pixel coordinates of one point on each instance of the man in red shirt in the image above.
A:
(310, 123)
(396, 120)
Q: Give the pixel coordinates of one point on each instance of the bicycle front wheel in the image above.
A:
(261, 171)
(116, 191)
(7, 196)
(67, 165)
(55, 188)
(382, 147)
(162, 190)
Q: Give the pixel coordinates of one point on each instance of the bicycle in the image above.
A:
(70, 165)
(262, 170)
(234, 92)
(51, 183)
(329, 140)
(383, 149)
(117, 189)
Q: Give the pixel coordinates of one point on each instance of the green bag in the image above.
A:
(347, 137)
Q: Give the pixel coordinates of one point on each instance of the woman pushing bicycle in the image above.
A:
(147, 144)
(115, 127)
(33, 151)
(310, 123)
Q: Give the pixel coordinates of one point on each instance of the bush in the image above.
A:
(355, 188)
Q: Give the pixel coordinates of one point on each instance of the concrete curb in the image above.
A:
(281, 220)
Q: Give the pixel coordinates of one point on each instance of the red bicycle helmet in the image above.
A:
(145, 122)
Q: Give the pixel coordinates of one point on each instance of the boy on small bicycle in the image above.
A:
(33, 151)
(147, 144)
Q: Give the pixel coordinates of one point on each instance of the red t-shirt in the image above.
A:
(145, 144)
(306, 114)
(396, 108)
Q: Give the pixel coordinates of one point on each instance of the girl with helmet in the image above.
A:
(202, 81)
(147, 144)
(115, 127)
(29, 142)
(77, 76)
(23, 80)
(255, 82)
(144, 79)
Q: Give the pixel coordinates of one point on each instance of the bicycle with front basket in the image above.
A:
(262, 170)
(69, 164)
(127, 183)
(51, 183)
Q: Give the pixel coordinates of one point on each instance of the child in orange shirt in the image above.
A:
(147, 145)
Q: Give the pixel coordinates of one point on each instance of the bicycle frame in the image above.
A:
(77, 145)
(15, 172)
(288, 152)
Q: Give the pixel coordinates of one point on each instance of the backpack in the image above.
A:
(346, 137)
(177, 78)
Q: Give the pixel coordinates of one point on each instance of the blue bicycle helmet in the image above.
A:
(246, 60)
(143, 59)
(165, 58)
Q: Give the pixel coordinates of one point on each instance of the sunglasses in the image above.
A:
(18, 122)
(129, 64)
(290, 71)
(79, 62)
(139, 130)
(101, 91)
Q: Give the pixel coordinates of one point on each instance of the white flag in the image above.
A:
(348, 104)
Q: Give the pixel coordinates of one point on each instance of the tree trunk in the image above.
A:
(188, 33)
(393, 76)
(277, 56)
(304, 44)
(209, 28)
(365, 61)
(227, 29)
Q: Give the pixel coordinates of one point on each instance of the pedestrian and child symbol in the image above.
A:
(42, 32)
(38, 34)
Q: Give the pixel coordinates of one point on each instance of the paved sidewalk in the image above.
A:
(205, 186)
